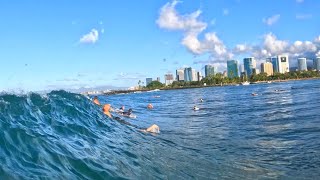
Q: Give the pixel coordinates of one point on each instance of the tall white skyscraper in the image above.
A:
(316, 64)
(283, 62)
(302, 64)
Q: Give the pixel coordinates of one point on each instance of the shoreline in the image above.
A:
(115, 92)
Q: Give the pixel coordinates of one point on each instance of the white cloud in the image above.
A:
(303, 16)
(102, 31)
(317, 40)
(271, 20)
(299, 47)
(299, 1)
(171, 20)
(91, 37)
(225, 12)
(273, 45)
(241, 48)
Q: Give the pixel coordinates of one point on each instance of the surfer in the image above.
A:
(152, 129)
(106, 110)
(195, 108)
(128, 113)
(96, 101)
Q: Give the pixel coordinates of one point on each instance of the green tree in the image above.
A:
(155, 85)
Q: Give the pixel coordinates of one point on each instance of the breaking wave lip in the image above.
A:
(62, 134)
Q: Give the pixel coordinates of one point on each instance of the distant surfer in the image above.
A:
(150, 106)
(195, 108)
(128, 114)
(106, 110)
(201, 100)
(254, 94)
(96, 101)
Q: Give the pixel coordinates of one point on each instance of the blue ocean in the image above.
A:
(234, 135)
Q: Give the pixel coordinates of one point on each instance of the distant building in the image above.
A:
(224, 74)
(158, 79)
(302, 64)
(249, 64)
(148, 81)
(241, 68)
(316, 64)
(209, 70)
(284, 61)
(180, 74)
(255, 71)
(275, 64)
(267, 68)
(190, 74)
(199, 76)
(281, 64)
(232, 67)
(168, 79)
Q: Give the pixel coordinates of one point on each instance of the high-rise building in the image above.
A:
(316, 63)
(199, 76)
(267, 68)
(168, 79)
(209, 70)
(180, 74)
(190, 74)
(281, 64)
(148, 81)
(194, 75)
(241, 68)
(302, 64)
(232, 67)
(275, 64)
(284, 61)
(249, 64)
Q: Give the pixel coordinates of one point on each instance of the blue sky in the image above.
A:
(69, 44)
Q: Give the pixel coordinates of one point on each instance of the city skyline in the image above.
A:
(49, 46)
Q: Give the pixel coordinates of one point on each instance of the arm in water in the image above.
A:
(152, 129)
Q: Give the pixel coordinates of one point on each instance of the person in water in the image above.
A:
(96, 101)
(106, 110)
(127, 113)
(150, 106)
(122, 109)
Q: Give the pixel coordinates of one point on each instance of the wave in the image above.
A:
(63, 135)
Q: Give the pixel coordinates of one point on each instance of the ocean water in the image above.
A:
(234, 135)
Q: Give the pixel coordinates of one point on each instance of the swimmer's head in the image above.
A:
(130, 110)
(149, 106)
(96, 97)
(122, 108)
(106, 108)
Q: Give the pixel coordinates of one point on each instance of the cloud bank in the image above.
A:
(192, 27)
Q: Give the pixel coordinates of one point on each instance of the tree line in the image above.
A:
(218, 79)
